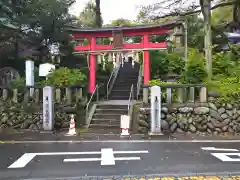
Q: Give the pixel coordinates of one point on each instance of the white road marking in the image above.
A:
(99, 159)
(225, 157)
(82, 160)
(127, 158)
(23, 160)
(66, 153)
(217, 149)
(106, 159)
(107, 156)
(121, 141)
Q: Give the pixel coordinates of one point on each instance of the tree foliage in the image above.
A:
(35, 23)
(88, 16)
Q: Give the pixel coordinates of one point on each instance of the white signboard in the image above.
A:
(45, 69)
(29, 68)
(107, 157)
(48, 114)
(125, 121)
(155, 110)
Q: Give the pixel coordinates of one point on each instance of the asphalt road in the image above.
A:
(117, 159)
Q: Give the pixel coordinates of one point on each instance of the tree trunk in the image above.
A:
(98, 14)
(236, 12)
(206, 11)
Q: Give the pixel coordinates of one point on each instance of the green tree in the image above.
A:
(205, 8)
(36, 22)
(88, 16)
(28, 27)
(121, 22)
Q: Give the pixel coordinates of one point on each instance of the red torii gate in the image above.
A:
(118, 33)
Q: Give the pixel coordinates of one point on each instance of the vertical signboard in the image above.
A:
(155, 110)
(29, 75)
(48, 115)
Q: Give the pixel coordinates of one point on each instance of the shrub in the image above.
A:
(176, 63)
(195, 69)
(17, 84)
(222, 64)
(66, 77)
(228, 87)
(163, 63)
(159, 63)
(226, 80)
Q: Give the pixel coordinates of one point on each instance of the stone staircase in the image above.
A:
(127, 76)
(106, 118)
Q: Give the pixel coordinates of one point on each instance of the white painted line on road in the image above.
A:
(127, 158)
(130, 152)
(27, 157)
(66, 153)
(99, 159)
(217, 149)
(225, 157)
(121, 141)
(107, 156)
(23, 160)
(82, 160)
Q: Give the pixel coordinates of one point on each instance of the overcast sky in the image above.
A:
(114, 9)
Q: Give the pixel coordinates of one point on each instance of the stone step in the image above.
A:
(112, 111)
(105, 122)
(125, 85)
(103, 130)
(122, 88)
(107, 116)
(126, 81)
(120, 93)
(104, 126)
(124, 76)
(111, 106)
(118, 97)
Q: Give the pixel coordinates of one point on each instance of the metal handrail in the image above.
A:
(130, 98)
(90, 100)
(109, 80)
(139, 83)
(112, 76)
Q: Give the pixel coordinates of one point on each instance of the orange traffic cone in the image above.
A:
(72, 129)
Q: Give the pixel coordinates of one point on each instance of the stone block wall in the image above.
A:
(18, 116)
(195, 118)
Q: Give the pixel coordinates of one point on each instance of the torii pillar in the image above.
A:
(146, 66)
(92, 67)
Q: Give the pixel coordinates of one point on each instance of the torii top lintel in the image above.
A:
(141, 30)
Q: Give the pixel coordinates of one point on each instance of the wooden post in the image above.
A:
(58, 95)
(203, 94)
(180, 95)
(15, 96)
(80, 91)
(169, 95)
(37, 95)
(26, 95)
(68, 95)
(191, 94)
(5, 94)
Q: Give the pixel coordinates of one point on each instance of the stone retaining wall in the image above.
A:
(18, 116)
(195, 118)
